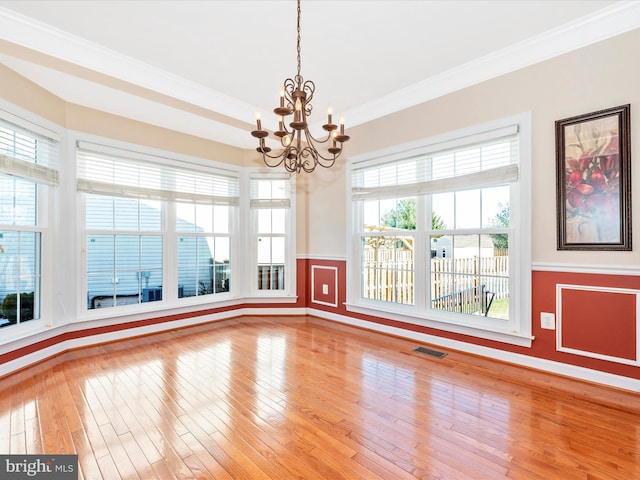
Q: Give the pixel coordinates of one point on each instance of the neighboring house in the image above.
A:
(116, 277)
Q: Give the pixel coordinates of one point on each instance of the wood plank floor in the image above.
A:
(301, 398)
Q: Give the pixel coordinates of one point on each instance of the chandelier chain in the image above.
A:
(300, 150)
(298, 38)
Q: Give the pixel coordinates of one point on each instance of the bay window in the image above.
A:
(156, 229)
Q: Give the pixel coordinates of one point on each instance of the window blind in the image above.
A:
(115, 172)
(27, 154)
(479, 161)
(270, 191)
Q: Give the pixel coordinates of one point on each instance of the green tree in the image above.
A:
(501, 220)
(9, 307)
(404, 217)
(437, 223)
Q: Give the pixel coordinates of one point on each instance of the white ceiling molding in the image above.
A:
(40, 37)
(606, 23)
(24, 31)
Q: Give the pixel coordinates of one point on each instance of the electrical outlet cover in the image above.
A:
(547, 321)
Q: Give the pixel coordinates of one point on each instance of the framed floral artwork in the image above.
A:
(593, 174)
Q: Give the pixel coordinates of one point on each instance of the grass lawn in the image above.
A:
(500, 308)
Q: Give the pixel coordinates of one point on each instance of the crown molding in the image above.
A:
(608, 22)
(40, 37)
(619, 18)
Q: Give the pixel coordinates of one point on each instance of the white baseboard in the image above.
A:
(559, 368)
(61, 347)
(581, 373)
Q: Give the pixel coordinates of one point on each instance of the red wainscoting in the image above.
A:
(301, 302)
(598, 317)
(333, 275)
(611, 318)
(597, 325)
(324, 285)
(597, 322)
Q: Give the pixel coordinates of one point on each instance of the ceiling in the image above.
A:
(205, 67)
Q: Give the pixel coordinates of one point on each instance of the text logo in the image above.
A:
(49, 467)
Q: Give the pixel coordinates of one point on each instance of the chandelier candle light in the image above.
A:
(300, 153)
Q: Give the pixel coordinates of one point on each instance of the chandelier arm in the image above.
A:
(300, 153)
(283, 154)
(266, 157)
(314, 140)
(289, 87)
(283, 134)
(309, 88)
(318, 159)
(308, 159)
(282, 160)
(311, 142)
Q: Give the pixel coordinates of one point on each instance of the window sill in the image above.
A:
(279, 298)
(30, 329)
(18, 336)
(182, 305)
(498, 335)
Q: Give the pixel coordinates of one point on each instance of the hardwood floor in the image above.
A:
(301, 398)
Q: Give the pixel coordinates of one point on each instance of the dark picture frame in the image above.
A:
(593, 175)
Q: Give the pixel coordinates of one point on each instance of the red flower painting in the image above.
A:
(593, 174)
(592, 182)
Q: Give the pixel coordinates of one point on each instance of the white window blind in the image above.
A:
(106, 171)
(28, 154)
(489, 159)
(270, 191)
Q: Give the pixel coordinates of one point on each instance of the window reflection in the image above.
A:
(270, 374)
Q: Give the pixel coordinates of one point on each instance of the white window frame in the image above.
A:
(517, 330)
(169, 232)
(47, 179)
(289, 293)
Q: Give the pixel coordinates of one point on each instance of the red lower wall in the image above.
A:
(301, 302)
(594, 321)
(598, 316)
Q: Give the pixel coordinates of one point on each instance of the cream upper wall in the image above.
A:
(600, 76)
(103, 124)
(25, 94)
(596, 77)
(29, 96)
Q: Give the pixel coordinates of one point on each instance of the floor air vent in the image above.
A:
(430, 352)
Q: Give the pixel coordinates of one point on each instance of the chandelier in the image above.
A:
(299, 147)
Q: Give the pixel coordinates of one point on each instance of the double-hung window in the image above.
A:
(204, 223)
(28, 167)
(155, 228)
(270, 211)
(441, 231)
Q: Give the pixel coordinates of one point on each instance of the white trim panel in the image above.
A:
(313, 285)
